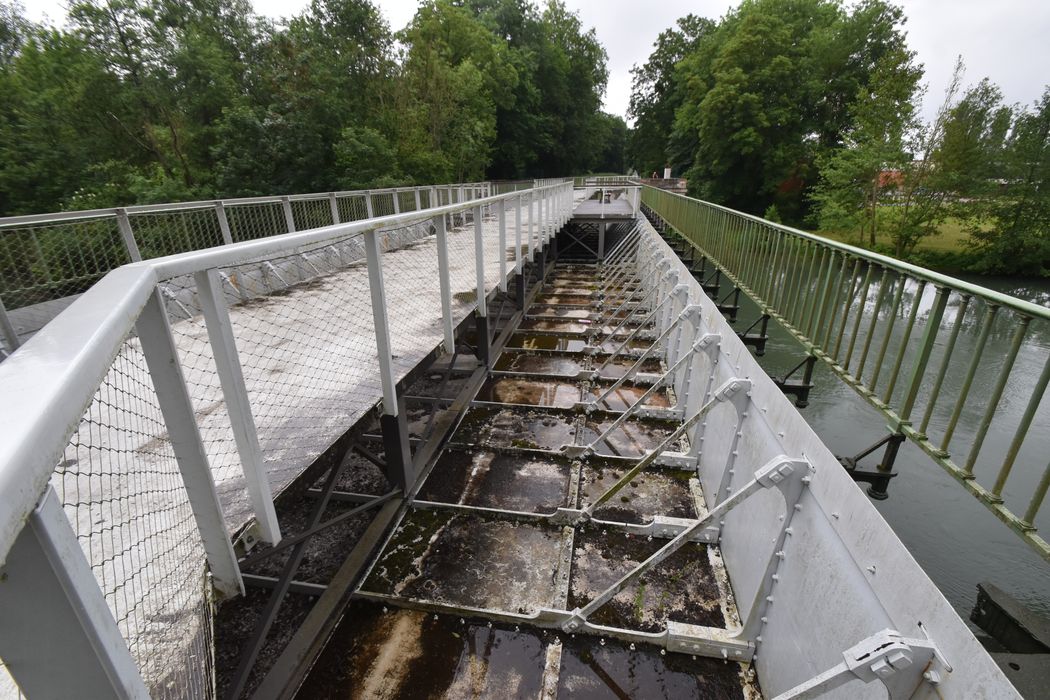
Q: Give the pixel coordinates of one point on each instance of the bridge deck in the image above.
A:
(596, 209)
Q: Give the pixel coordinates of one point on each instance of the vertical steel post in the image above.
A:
(224, 223)
(124, 225)
(60, 639)
(997, 393)
(8, 328)
(289, 220)
(482, 317)
(395, 197)
(231, 378)
(519, 267)
(158, 347)
(501, 213)
(532, 249)
(443, 279)
(368, 204)
(971, 372)
(418, 204)
(392, 420)
(333, 205)
(949, 348)
(929, 337)
(1022, 429)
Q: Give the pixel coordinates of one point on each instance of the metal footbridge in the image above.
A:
(500, 445)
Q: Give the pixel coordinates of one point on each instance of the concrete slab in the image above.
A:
(681, 588)
(491, 479)
(441, 557)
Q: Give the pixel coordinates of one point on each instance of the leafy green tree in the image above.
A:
(656, 93)
(863, 174)
(1011, 231)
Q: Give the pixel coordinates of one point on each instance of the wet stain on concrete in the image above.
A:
(566, 299)
(536, 341)
(531, 392)
(655, 491)
(513, 481)
(619, 366)
(469, 561)
(411, 654)
(527, 429)
(632, 439)
(559, 327)
(561, 312)
(591, 670)
(540, 364)
(681, 588)
(627, 394)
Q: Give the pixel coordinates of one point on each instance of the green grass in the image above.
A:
(951, 238)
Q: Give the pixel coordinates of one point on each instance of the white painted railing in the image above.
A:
(118, 489)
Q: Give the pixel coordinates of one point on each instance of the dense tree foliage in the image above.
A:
(151, 100)
(807, 111)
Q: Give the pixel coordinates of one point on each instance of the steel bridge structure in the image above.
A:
(518, 416)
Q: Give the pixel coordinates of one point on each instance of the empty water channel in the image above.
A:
(481, 537)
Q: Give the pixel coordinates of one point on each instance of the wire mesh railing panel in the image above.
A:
(169, 232)
(352, 207)
(42, 262)
(252, 221)
(308, 354)
(960, 370)
(311, 213)
(123, 493)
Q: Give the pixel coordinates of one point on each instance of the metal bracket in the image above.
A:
(902, 664)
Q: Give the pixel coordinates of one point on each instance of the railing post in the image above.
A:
(519, 268)
(482, 315)
(929, 337)
(368, 204)
(8, 328)
(392, 421)
(224, 223)
(528, 225)
(501, 213)
(231, 378)
(443, 279)
(60, 639)
(418, 205)
(333, 204)
(395, 196)
(154, 333)
(289, 219)
(124, 224)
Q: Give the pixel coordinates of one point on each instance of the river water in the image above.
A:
(953, 536)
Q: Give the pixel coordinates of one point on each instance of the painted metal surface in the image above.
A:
(881, 325)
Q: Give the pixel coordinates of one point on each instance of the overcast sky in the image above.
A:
(1007, 41)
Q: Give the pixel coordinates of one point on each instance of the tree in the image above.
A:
(656, 92)
(863, 174)
(1010, 230)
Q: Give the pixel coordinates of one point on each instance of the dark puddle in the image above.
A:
(681, 588)
(627, 394)
(619, 366)
(591, 670)
(471, 561)
(560, 327)
(635, 346)
(527, 429)
(560, 312)
(531, 392)
(411, 654)
(511, 361)
(568, 299)
(655, 491)
(537, 341)
(632, 439)
(514, 481)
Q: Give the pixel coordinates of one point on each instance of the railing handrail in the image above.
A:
(56, 373)
(78, 214)
(1021, 306)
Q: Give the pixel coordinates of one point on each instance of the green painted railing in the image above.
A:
(894, 332)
